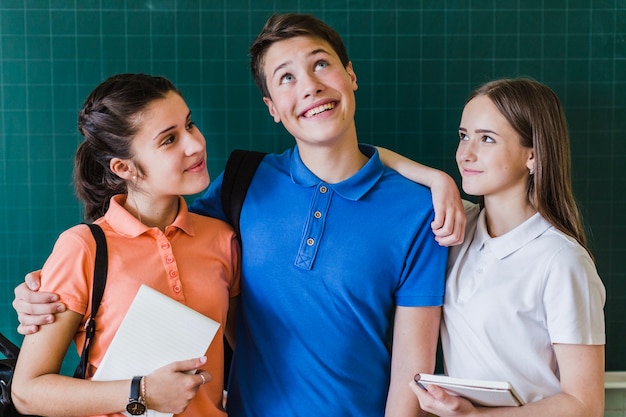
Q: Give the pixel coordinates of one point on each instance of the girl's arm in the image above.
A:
(582, 390)
(414, 348)
(449, 223)
(38, 389)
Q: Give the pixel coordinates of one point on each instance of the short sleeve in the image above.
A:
(68, 271)
(574, 298)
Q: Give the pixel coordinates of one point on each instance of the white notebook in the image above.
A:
(481, 392)
(156, 331)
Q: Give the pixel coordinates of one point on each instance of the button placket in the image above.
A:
(169, 263)
(314, 228)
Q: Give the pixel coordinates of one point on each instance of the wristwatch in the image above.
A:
(136, 405)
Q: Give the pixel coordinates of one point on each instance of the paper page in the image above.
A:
(156, 331)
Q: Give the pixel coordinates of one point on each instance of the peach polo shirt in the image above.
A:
(195, 261)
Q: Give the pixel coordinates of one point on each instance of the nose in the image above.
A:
(466, 151)
(311, 85)
(194, 142)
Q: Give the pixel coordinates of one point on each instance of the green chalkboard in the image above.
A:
(416, 61)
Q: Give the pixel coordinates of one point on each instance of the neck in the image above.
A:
(505, 214)
(152, 212)
(333, 162)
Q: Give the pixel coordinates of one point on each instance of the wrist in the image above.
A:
(136, 405)
(144, 395)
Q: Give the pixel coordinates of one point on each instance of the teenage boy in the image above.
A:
(342, 279)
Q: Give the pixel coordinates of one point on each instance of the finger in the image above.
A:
(423, 396)
(453, 232)
(33, 280)
(34, 319)
(40, 304)
(439, 219)
(25, 330)
(189, 365)
(204, 376)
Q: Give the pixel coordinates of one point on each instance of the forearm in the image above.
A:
(559, 405)
(57, 395)
(412, 170)
(414, 349)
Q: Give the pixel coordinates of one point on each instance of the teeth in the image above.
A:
(319, 109)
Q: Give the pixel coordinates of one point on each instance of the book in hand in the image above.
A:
(155, 331)
(480, 392)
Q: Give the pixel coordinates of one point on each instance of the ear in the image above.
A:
(123, 168)
(270, 107)
(352, 75)
(531, 162)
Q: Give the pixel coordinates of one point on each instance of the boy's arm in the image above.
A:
(449, 223)
(415, 335)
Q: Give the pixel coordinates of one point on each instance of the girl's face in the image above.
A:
(170, 150)
(490, 157)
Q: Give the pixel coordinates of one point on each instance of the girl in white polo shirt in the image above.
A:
(523, 302)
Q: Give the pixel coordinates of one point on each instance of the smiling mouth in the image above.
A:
(195, 167)
(319, 109)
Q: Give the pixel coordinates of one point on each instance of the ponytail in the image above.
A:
(108, 122)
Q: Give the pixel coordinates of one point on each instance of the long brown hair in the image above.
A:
(536, 114)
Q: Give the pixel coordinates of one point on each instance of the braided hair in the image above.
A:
(108, 121)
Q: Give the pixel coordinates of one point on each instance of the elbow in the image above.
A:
(20, 399)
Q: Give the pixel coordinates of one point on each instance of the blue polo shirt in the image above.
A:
(324, 267)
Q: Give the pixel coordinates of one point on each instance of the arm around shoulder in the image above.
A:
(449, 223)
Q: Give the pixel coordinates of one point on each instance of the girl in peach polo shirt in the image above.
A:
(141, 152)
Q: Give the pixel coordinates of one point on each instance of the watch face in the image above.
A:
(136, 408)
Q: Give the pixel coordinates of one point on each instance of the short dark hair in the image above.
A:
(285, 26)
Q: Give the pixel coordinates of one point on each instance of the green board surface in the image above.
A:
(416, 61)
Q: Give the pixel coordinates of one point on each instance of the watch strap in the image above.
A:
(135, 388)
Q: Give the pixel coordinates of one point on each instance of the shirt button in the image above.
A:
(317, 214)
(165, 245)
(173, 274)
(310, 241)
(323, 189)
(177, 289)
(169, 259)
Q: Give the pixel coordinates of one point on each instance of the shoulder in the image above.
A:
(395, 182)
(210, 226)
(78, 236)
(564, 250)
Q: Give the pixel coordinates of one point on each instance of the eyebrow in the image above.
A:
(313, 52)
(479, 130)
(158, 135)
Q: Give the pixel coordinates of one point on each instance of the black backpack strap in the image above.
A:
(99, 282)
(238, 174)
(8, 348)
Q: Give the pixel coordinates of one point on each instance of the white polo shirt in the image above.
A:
(509, 298)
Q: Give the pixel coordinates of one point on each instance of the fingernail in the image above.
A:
(32, 286)
(60, 308)
(49, 319)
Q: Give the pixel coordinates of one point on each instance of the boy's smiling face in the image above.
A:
(312, 93)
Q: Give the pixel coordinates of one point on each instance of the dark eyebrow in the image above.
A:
(170, 128)
(461, 128)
